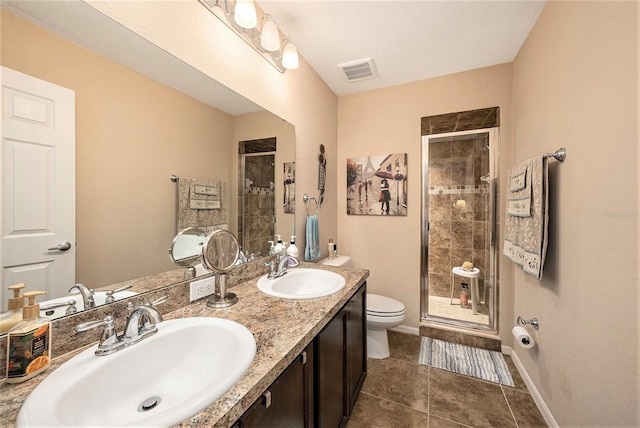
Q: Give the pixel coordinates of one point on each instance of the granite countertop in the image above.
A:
(282, 329)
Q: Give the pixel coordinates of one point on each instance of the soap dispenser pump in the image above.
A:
(14, 315)
(29, 343)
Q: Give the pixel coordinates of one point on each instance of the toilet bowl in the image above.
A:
(383, 313)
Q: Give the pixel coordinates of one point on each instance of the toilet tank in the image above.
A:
(338, 261)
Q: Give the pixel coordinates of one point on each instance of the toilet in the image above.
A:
(383, 313)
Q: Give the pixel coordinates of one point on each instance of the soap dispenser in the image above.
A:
(14, 315)
(29, 343)
(279, 248)
(292, 251)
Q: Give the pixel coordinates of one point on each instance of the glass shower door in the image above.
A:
(458, 213)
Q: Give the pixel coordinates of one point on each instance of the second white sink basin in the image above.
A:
(300, 283)
(163, 380)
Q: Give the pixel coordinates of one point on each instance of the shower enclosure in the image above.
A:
(256, 195)
(458, 176)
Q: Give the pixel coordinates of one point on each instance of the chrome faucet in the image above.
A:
(87, 295)
(281, 269)
(141, 323)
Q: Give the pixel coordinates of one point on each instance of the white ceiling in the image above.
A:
(408, 40)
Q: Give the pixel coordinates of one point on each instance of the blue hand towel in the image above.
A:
(312, 247)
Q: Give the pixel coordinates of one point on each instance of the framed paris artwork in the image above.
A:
(377, 185)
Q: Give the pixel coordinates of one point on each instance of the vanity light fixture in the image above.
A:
(242, 17)
(245, 14)
(270, 36)
(290, 56)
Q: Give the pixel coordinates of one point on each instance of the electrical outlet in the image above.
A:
(202, 288)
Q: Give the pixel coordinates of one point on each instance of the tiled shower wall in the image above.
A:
(457, 234)
(258, 205)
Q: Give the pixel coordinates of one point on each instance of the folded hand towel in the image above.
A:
(312, 247)
(519, 195)
(525, 237)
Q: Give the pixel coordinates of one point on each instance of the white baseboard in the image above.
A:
(542, 406)
(407, 330)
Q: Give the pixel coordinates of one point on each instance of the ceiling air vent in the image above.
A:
(359, 69)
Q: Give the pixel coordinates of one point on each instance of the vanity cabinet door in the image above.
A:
(286, 403)
(341, 362)
(331, 399)
(356, 345)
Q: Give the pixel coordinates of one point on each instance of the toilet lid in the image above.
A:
(383, 306)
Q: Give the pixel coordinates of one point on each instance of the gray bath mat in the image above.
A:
(466, 360)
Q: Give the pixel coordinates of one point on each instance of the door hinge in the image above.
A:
(267, 399)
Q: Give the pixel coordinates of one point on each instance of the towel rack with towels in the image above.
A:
(559, 155)
(306, 198)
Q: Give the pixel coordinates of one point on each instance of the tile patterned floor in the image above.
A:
(399, 392)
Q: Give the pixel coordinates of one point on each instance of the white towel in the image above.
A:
(525, 237)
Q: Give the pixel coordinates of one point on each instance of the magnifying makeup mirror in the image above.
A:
(220, 253)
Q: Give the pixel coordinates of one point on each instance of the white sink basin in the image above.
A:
(186, 366)
(300, 283)
(99, 296)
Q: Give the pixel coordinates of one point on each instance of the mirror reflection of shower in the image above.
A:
(256, 195)
(457, 178)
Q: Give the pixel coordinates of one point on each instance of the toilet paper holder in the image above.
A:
(533, 322)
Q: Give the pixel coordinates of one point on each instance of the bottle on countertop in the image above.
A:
(29, 343)
(14, 315)
(292, 250)
(279, 248)
(331, 247)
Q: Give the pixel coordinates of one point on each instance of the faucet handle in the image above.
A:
(158, 301)
(110, 341)
(110, 293)
(272, 269)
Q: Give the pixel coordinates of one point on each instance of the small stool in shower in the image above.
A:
(473, 275)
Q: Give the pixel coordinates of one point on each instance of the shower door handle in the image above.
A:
(492, 211)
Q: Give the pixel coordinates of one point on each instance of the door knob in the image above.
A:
(62, 246)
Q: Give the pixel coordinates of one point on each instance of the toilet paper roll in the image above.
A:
(523, 338)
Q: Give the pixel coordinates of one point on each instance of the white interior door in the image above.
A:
(38, 185)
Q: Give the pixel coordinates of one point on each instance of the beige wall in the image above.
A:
(576, 85)
(388, 121)
(131, 135)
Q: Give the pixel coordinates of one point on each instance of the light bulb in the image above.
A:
(245, 14)
(290, 57)
(270, 36)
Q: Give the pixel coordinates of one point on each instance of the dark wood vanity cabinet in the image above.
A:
(321, 386)
(288, 401)
(341, 363)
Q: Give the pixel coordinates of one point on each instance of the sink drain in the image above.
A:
(149, 404)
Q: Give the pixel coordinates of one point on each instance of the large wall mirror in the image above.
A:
(141, 115)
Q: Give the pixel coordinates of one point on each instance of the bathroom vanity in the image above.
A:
(309, 366)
